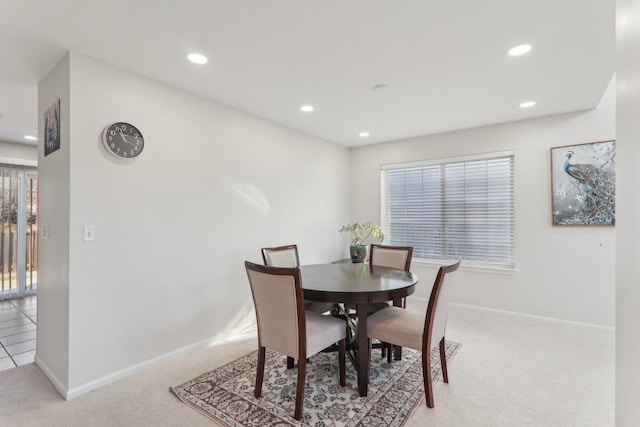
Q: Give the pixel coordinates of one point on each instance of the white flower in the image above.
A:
(561, 194)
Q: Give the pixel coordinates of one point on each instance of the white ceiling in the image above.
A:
(444, 63)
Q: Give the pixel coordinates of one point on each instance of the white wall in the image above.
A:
(628, 203)
(174, 226)
(52, 345)
(562, 272)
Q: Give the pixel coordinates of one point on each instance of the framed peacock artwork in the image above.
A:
(583, 184)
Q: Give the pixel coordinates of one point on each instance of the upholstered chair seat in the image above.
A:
(322, 330)
(398, 325)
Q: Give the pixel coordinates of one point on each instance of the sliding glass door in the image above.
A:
(18, 230)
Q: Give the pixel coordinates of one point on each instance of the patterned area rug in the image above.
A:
(395, 389)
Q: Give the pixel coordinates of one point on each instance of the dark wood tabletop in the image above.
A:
(357, 284)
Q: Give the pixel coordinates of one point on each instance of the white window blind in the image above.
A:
(452, 209)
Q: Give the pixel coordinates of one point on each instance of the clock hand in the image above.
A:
(125, 139)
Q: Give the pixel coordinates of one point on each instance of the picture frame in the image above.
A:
(52, 128)
(583, 184)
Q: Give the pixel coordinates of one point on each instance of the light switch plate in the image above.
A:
(89, 233)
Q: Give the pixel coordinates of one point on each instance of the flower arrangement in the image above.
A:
(361, 232)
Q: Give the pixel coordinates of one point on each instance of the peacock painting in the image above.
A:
(583, 180)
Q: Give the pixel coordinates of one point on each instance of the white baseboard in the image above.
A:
(53, 379)
(611, 329)
(541, 318)
(68, 394)
(74, 392)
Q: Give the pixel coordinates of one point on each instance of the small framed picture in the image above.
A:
(583, 184)
(52, 128)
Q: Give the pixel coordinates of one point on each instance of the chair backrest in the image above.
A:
(436, 319)
(279, 301)
(281, 256)
(391, 256)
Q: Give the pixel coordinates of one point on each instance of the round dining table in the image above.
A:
(358, 284)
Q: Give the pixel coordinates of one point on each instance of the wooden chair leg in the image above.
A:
(370, 348)
(302, 372)
(342, 349)
(260, 372)
(389, 352)
(443, 362)
(426, 373)
(397, 353)
(290, 362)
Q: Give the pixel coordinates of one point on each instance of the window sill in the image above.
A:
(463, 267)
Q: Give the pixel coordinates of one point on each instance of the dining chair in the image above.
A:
(285, 326)
(287, 256)
(281, 256)
(419, 331)
(398, 257)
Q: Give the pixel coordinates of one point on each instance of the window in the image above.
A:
(455, 208)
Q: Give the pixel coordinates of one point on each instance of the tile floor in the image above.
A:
(17, 331)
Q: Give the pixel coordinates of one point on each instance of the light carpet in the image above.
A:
(395, 389)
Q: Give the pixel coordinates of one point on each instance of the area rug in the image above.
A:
(395, 389)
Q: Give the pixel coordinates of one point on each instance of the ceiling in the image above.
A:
(443, 65)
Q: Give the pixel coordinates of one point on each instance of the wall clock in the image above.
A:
(123, 140)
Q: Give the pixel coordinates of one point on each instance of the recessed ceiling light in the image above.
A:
(521, 49)
(31, 137)
(197, 58)
(527, 104)
(306, 108)
(364, 134)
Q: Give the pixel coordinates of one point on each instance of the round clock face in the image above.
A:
(123, 140)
